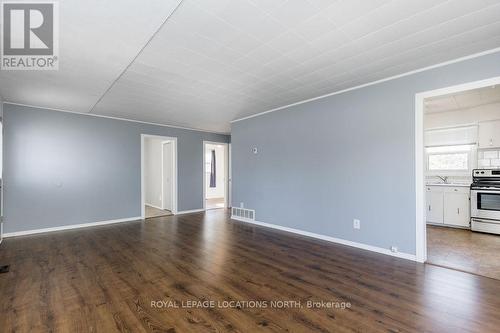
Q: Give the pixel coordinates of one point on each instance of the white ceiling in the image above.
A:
(96, 43)
(218, 60)
(463, 100)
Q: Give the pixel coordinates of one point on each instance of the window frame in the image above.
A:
(471, 155)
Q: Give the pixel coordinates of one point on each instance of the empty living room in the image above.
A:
(249, 166)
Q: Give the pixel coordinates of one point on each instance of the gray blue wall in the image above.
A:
(62, 168)
(1, 147)
(352, 155)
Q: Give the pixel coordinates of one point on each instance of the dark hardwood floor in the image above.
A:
(104, 279)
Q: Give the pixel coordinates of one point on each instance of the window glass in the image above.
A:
(450, 161)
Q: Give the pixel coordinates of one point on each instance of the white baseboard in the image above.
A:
(331, 239)
(190, 211)
(68, 227)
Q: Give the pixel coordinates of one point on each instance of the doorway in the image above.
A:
(457, 141)
(158, 176)
(215, 175)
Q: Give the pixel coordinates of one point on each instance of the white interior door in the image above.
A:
(167, 175)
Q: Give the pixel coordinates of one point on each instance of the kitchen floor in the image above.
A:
(464, 250)
(155, 212)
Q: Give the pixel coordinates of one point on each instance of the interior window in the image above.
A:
(449, 158)
(455, 161)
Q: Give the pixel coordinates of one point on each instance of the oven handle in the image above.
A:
(478, 219)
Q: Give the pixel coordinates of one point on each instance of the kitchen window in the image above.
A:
(449, 159)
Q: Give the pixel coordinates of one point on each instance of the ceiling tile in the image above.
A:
(428, 19)
(314, 27)
(264, 54)
(490, 95)
(286, 43)
(216, 60)
(212, 6)
(343, 12)
(323, 4)
(388, 14)
(96, 44)
(245, 16)
(268, 5)
(292, 13)
(463, 100)
(390, 42)
(468, 99)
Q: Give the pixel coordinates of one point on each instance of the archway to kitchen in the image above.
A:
(458, 177)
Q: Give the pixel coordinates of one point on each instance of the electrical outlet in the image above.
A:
(394, 249)
(356, 224)
(242, 205)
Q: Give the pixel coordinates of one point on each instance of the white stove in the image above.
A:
(485, 201)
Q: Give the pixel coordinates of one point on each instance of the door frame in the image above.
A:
(230, 176)
(420, 223)
(226, 172)
(174, 172)
(167, 142)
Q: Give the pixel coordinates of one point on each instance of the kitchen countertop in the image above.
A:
(450, 184)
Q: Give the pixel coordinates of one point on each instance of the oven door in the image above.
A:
(485, 204)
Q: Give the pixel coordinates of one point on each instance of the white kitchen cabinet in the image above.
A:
(489, 134)
(456, 209)
(435, 201)
(448, 205)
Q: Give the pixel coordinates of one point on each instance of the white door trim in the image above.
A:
(174, 172)
(163, 201)
(421, 238)
(226, 171)
(230, 176)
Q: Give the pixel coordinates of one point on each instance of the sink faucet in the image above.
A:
(444, 179)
